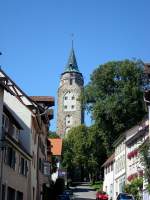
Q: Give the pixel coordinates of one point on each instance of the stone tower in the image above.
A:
(70, 112)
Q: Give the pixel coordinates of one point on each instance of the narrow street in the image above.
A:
(84, 192)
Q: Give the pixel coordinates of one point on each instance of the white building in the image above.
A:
(119, 165)
(134, 138)
(108, 183)
(29, 116)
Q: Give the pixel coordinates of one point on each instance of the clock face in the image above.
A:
(69, 101)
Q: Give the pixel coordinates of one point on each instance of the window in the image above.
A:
(23, 166)
(16, 132)
(11, 159)
(10, 194)
(68, 120)
(66, 98)
(19, 195)
(34, 138)
(33, 192)
(70, 81)
(73, 98)
(33, 159)
(3, 192)
(111, 166)
(108, 169)
(5, 122)
(65, 107)
(67, 129)
(72, 106)
(41, 165)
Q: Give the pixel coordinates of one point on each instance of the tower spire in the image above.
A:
(72, 63)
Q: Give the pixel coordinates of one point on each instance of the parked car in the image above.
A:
(101, 196)
(67, 195)
(125, 196)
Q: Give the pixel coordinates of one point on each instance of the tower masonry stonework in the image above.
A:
(70, 112)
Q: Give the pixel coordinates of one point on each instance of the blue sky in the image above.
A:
(35, 38)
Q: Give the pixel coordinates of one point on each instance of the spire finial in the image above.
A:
(72, 36)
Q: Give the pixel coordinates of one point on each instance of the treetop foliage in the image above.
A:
(114, 97)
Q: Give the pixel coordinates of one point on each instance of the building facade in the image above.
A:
(127, 160)
(119, 166)
(70, 111)
(24, 126)
(108, 184)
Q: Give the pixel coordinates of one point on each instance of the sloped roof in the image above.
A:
(56, 146)
(47, 100)
(109, 160)
(72, 63)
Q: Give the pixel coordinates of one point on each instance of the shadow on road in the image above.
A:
(82, 190)
(82, 199)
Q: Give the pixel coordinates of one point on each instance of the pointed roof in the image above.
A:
(72, 63)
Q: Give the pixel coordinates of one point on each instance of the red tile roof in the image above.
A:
(56, 144)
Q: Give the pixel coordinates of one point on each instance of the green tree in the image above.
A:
(96, 149)
(145, 160)
(135, 188)
(53, 135)
(74, 149)
(114, 98)
(83, 148)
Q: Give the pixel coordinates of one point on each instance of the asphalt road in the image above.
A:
(84, 192)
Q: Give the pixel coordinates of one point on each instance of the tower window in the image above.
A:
(72, 106)
(70, 81)
(66, 98)
(68, 122)
(65, 107)
(73, 98)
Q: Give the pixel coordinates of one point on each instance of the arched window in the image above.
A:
(68, 120)
(67, 129)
